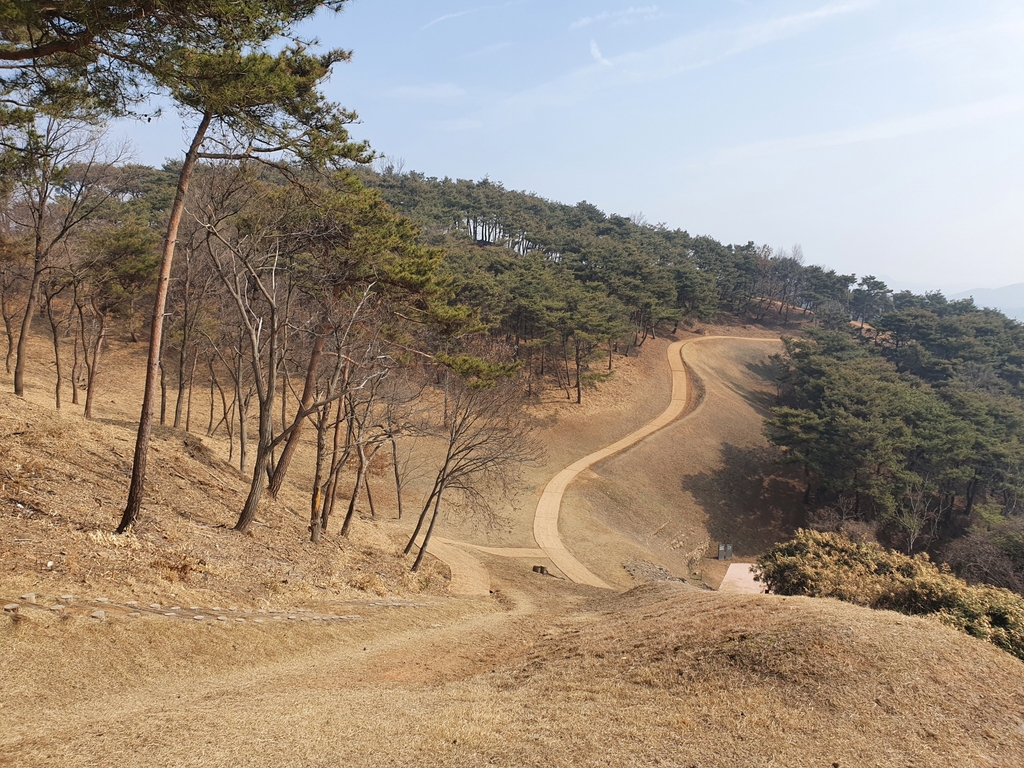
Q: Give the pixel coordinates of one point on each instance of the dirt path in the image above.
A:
(548, 508)
(394, 681)
(469, 578)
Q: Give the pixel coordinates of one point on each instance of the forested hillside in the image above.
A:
(248, 391)
(562, 282)
(912, 422)
(914, 426)
(299, 290)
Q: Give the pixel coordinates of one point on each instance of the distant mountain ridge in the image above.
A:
(1009, 299)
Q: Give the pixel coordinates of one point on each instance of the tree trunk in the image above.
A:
(215, 382)
(284, 403)
(229, 421)
(568, 377)
(243, 429)
(94, 368)
(8, 330)
(263, 450)
(26, 324)
(133, 504)
(337, 462)
(972, 489)
(315, 516)
(188, 404)
(209, 426)
(76, 372)
(579, 377)
(398, 476)
(265, 393)
(55, 330)
(308, 390)
(360, 473)
(430, 531)
(423, 513)
(179, 400)
(163, 393)
(369, 496)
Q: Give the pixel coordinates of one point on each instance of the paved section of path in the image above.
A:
(739, 579)
(469, 578)
(515, 552)
(545, 523)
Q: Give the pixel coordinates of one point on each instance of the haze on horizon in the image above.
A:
(884, 136)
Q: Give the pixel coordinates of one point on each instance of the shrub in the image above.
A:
(818, 564)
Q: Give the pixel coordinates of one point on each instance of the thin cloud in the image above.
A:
(614, 16)
(884, 130)
(986, 54)
(679, 55)
(596, 53)
(763, 33)
(448, 16)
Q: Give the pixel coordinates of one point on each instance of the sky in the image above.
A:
(885, 137)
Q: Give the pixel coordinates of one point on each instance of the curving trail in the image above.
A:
(469, 577)
(545, 523)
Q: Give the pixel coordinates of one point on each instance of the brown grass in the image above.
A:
(62, 484)
(709, 478)
(545, 674)
(665, 675)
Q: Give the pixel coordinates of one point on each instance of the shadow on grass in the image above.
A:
(760, 389)
(769, 371)
(751, 502)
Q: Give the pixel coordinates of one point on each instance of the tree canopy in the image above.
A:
(917, 425)
(104, 56)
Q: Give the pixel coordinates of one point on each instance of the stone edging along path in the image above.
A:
(101, 608)
(545, 523)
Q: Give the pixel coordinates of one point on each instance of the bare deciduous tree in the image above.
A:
(487, 440)
(55, 167)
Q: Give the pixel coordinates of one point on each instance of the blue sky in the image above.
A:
(884, 136)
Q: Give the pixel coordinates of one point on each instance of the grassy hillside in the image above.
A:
(544, 674)
(671, 676)
(63, 482)
(662, 675)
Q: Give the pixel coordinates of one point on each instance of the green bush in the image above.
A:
(819, 564)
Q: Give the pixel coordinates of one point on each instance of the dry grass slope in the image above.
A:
(543, 675)
(662, 675)
(62, 484)
(671, 676)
